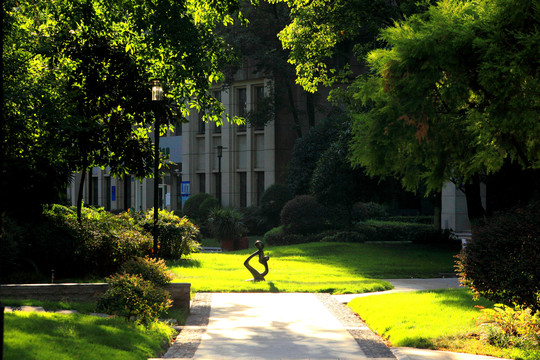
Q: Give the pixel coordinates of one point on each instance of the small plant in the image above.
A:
(132, 297)
(226, 225)
(506, 326)
(153, 270)
(138, 291)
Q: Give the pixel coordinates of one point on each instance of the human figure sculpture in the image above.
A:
(262, 259)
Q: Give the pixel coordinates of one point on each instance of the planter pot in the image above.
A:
(242, 243)
(227, 245)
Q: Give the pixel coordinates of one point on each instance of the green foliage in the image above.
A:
(100, 243)
(153, 270)
(440, 105)
(345, 236)
(303, 215)
(272, 201)
(131, 296)
(506, 326)
(307, 151)
(256, 223)
(405, 232)
(412, 219)
(226, 224)
(207, 206)
(278, 237)
(192, 206)
(501, 261)
(177, 237)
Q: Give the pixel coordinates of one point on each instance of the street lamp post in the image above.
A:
(157, 95)
(219, 155)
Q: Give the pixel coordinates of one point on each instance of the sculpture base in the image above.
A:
(256, 280)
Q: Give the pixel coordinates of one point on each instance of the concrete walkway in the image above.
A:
(291, 326)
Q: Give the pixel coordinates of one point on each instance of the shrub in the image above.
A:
(153, 270)
(192, 206)
(303, 215)
(277, 237)
(412, 219)
(226, 224)
(506, 326)
(207, 206)
(344, 236)
(375, 211)
(501, 260)
(131, 296)
(256, 223)
(273, 200)
(11, 238)
(176, 237)
(100, 243)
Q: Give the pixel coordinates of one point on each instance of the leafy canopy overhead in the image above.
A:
(454, 94)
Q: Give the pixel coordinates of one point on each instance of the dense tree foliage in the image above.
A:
(76, 82)
(452, 91)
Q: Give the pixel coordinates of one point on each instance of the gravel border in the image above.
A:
(187, 342)
(370, 343)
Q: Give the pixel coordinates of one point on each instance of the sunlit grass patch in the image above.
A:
(30, 335)
(438, 319)
(316, 267)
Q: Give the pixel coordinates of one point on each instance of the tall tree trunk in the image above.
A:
(297, 125)
(475, 209)
(310, 104)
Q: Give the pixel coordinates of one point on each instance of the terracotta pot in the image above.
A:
(242, 243)
(227, 245)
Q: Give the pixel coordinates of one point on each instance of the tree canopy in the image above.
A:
(76, 79)
(450, 92)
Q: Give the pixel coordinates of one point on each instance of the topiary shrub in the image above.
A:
(303, 215)
(192, 206)
(273, 200)
(277, 237)
(207, 206)
(375, 211)
(501, 262)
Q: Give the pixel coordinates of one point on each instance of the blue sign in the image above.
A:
(113, 193)
(184, 188)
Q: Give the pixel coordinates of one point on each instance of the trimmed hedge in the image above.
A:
(502, 261)
(303, 215)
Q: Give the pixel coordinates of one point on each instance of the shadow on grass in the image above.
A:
(374, 260)
(272, 287)
(185, 263)
(460, 298)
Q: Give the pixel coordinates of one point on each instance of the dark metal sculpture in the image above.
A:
(262, 259)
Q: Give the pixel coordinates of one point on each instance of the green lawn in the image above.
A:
(316, 267)
(36, 336)
(440, 319)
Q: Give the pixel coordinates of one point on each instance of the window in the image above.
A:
(243, 189)
(202, 182)
(257, 109)
(217, 96)
(95, 194)
(202, 124)
(107, 191)
(241, 111)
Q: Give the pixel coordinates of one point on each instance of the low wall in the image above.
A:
(180, 292)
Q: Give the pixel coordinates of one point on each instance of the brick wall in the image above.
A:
(180, 292)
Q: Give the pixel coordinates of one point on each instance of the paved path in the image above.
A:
(291, 326)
